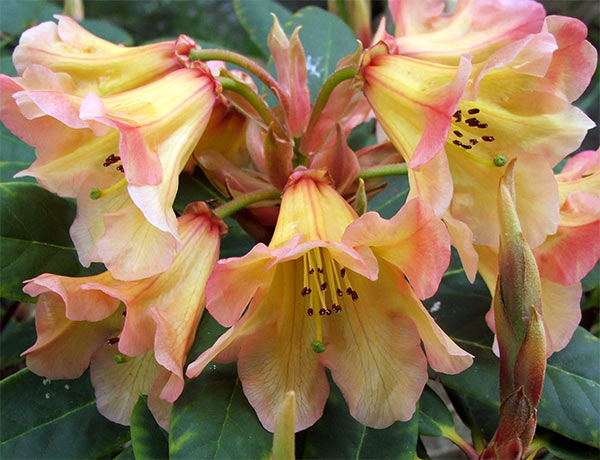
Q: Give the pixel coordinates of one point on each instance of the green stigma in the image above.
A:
(499, 160)
(120, 359)
(317, 346)
(95, 193)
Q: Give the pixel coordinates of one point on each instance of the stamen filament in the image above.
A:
(96, 193)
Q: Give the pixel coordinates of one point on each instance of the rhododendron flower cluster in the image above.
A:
(473, 103)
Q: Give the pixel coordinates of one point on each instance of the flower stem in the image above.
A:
(467, 448)
(242, 61)
(395, 169)
(254, 99)
(343, 74)
(247, 199)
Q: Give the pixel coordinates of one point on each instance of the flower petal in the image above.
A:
(278, 358)
(64, 348)
(562, 313)
(414, 102)
(375, 358)
(119, 385)
(410, 240)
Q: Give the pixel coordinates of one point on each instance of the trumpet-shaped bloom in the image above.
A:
(128, 148)
(96, 65)
(315, 301)
(136, 334)
(515, 104)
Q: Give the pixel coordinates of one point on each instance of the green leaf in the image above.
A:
(562, 447)
(192, 188)
(34, 237)
(569, 406)
(126, 454)
(9, 168)
(255, 17)
(212, 419)
(108, 31)
(338, 435)
(6, 65)
(18, 15)
(14, 340)
(237, 242)
(434, 417)
(392, 198)
(149, 440)
(325, 39)
(54, 419)
(14, 149)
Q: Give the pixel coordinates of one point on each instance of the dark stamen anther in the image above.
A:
(120, 168)
(473, 111)
(467, 147)
(337, 308)
(113, 340)
(322, 312)
(349, 291)
(354, 296)
(311, 271)
(472, 121)
(310, 312)
(343, 272)
(455, 142)
(482, 125)
(324, 286)
(328, 311)
(340, 292)
(473, 141)
(488, 138)
(305, 291)
(458, 133)
(320, 270)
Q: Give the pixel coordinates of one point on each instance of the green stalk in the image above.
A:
(248, 64)
(337, 77)
(254, 99)
(395, 169)
(242, 201)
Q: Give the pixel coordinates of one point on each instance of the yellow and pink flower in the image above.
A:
(313, 299)
(135, 335)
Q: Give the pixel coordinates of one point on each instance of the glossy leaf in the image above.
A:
(34, 237)
(54, 419)
(108, 31)
(14, 339)
(574, 371)
(18, 15)
(255, 17)
(149, 440)
(435, 418)
(192, 188)
(338, 435)
(325, 39)
(14, 149)
(9, 168)
(390, 200)
(562, 447)
(212, 418)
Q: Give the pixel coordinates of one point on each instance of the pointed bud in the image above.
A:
(278, 155)
(74, 8)
(518, 270)
(290, 63)
(360, 199)
(283, 436)
(530, 365)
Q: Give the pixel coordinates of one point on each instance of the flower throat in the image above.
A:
(326, 289)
